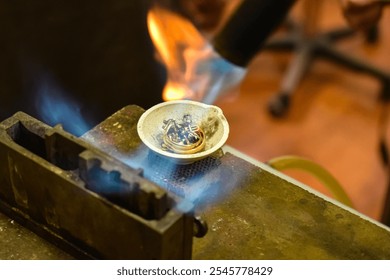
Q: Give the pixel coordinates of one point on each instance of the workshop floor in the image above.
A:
(333, 119)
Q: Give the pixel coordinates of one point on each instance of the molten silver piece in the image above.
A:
(184, 137)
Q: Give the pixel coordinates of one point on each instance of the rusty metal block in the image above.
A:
(84, 200)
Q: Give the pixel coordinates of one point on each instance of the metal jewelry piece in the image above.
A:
(183, 138)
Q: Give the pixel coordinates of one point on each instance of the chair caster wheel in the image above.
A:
(278, 106)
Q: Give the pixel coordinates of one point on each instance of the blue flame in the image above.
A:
(212, 76)
(199, 195)
(189, 182)
(223, 76)
(54, 107)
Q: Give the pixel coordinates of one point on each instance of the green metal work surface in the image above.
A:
(266, 217)
(18, 243)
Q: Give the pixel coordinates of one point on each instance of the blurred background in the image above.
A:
(333, 118)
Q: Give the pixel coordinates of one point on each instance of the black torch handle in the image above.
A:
(248, 28)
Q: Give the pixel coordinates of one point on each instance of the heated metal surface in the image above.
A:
(258, 213)
(118, 137)
(251, 213)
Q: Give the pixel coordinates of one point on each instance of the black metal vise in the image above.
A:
(85, 201)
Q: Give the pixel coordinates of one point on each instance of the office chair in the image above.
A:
(307, 44)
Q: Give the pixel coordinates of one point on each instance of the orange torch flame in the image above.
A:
(195, 70)
(173, 37)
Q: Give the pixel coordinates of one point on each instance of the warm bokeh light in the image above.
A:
(174, 91)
